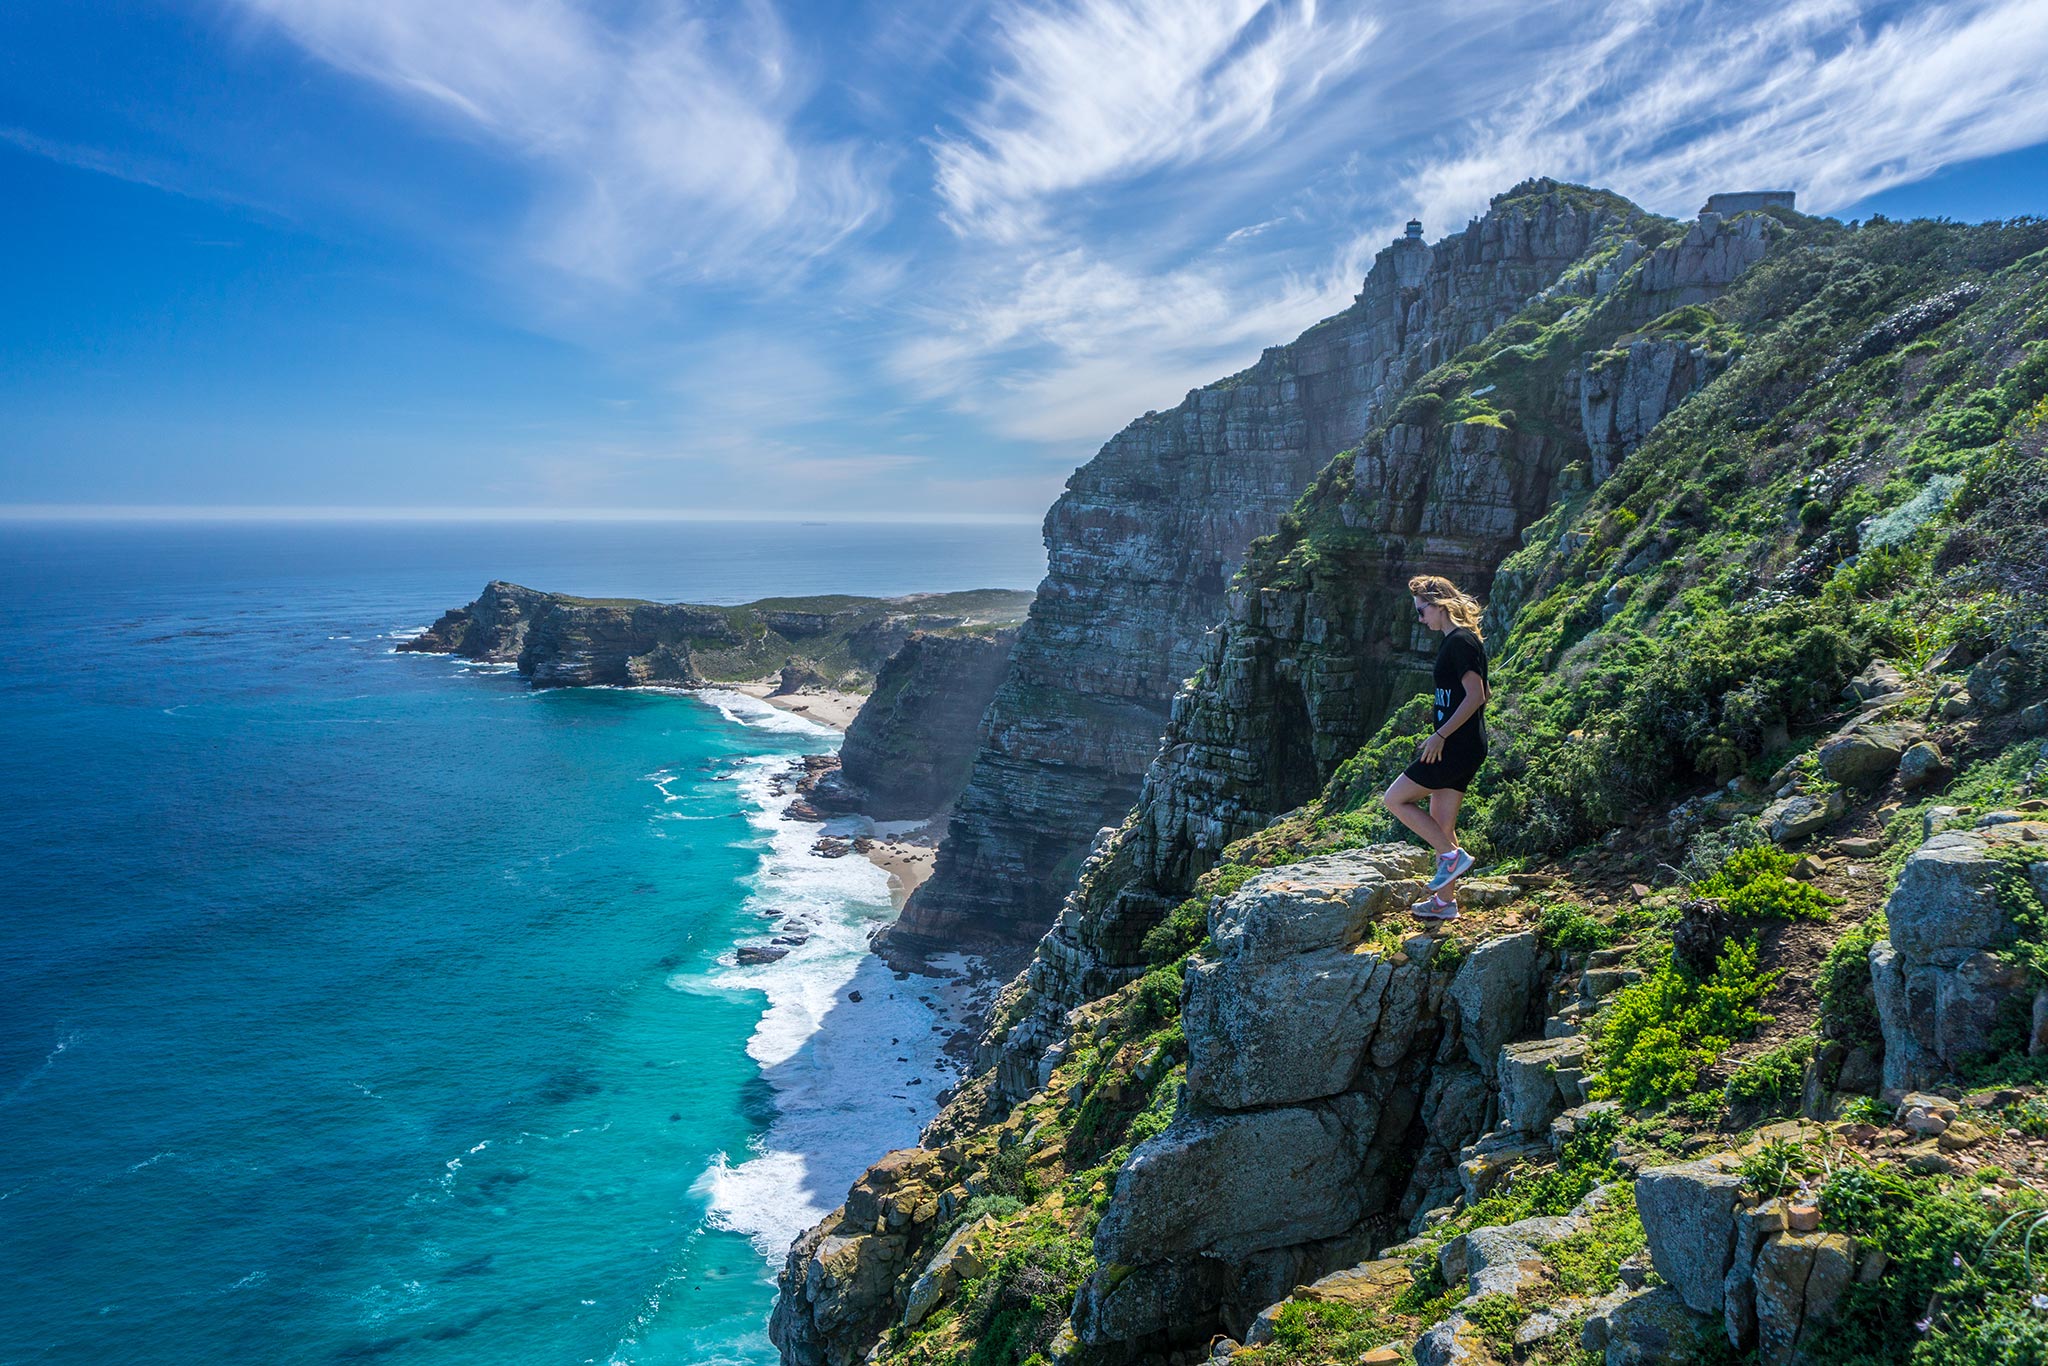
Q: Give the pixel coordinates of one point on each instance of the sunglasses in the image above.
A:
(1422, 611)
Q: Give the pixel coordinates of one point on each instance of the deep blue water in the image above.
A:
(367, 1007)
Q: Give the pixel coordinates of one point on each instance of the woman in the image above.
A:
(1453, 751)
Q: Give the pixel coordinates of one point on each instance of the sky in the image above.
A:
(903, 259)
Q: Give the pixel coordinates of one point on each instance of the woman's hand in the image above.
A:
(1432, 748)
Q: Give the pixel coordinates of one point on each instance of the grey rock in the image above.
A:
(1939, 980)
(1227, 1185)
(1530, 1093)
(1866, 753)
(1689, 1217)
(1494, 990)
(1879, 679)
(1790, 819)
(1921, 765)
(1270, 1033)
(1800, 1278)
(1453, 1342)
(1315, 904)
(1655, 1328)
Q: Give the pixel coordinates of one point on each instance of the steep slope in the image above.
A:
(1806, 610)
(1148, 533)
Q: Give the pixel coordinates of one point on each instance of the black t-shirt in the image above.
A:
(1460, 654)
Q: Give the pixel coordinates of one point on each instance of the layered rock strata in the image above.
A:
(908, 752)
(1319, 643)
(1148, 534)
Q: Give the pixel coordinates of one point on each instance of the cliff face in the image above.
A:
(1148, 534)
(1236, 1074)
(908, 751)
(563, 641)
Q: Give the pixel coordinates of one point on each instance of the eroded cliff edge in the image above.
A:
(1144, 542)
(1768, 793)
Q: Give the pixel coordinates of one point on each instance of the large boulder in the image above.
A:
(1232, 1184)
(1291, 1005)
(1689, 1218)
(1793, 818)
(1315, 904)
(1495, 989)
(1651, 1328)
(1800, 1278)
(1866, 753)
(1939, 978)
(1271, 1033)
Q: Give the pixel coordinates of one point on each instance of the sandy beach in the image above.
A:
(907, 859)
(826, 707)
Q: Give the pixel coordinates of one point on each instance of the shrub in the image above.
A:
(1755, 883)
(1848, 1010)
(1955, 1291)
(1569, 929)
(1659, 1033)
(1771, 1079)
(1016, 1309)
(1497, 1317)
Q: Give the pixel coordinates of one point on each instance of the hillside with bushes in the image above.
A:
(1737, 1049)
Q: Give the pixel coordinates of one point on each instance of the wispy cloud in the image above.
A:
(669, 147)
(1090, 92)
(1667, 102)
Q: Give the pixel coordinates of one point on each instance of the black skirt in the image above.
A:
(1452, 770)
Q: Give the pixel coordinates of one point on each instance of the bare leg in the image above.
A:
(1443, 809)
(1403, 800)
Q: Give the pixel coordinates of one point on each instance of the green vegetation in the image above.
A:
(1959, 1286)
(1659, 1033)
(1771, 1080)
(1848, 1011)
(1569, 929)
(1756, 884)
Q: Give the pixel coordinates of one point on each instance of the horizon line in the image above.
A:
(228, 512)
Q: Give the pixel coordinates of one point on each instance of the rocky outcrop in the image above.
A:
(1331, 1087)
(1625, 393)
(1151, 530)
(490, 630)
(836, 1285)
(908, 751)
(1940, 978)
(1319, 640)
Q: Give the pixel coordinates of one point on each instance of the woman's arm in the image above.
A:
(1475, 698)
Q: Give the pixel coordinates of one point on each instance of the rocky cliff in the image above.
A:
(1767, 785)
(908, 752)
(563, 641)
(1149, 533)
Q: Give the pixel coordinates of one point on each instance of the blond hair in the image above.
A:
(1459, 606)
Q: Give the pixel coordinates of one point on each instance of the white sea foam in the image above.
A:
(755, 714)
(851, 1079)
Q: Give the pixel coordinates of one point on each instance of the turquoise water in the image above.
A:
(366, 1007)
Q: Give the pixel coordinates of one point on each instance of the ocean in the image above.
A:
(358, 1006)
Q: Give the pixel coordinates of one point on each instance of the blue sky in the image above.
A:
(602, 257)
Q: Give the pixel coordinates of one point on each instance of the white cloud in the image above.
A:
(1667, 103)
(668, 148)
(1090, 92)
